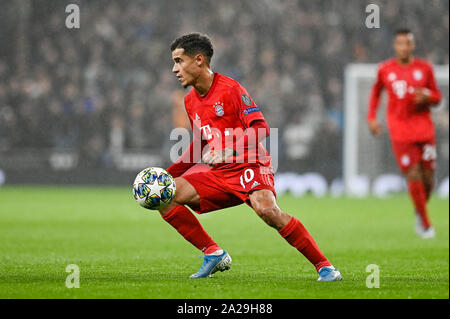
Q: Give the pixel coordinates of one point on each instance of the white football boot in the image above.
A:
(329, 273)
(421, 231)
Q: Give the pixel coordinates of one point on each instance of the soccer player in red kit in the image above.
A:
(241, 170)
(412, 90)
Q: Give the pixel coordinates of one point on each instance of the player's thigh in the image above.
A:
(244, 179)
(264, 203)
(261, 199)
(428, 156)
(185, 194)
(428, 177)
(213, 192)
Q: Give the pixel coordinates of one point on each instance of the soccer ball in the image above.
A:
(154, 188)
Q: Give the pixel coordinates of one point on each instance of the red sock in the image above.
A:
(419, 197)
(297, 235)
(190, 228)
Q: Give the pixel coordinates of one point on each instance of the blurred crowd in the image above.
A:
(107, 86)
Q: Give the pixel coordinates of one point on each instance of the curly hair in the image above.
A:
(194, 43)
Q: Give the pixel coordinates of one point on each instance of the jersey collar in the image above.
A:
(405, 65)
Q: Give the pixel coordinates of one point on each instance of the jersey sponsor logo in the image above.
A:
(417, 74)
(218, 108)
(247, 101)
(206, 131)
(197, 117)
(399, 88)
(250, 110)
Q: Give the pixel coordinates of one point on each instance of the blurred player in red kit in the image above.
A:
(412, 90)
(240, 168)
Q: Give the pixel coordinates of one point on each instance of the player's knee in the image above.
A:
(271, 215)
(429, 184)
(185, 192)
(185, 195)
(428, 179)
(414, 174)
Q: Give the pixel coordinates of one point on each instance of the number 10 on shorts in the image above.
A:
(248, 176)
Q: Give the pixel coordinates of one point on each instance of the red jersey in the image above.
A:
(407, 121)
(222, 116)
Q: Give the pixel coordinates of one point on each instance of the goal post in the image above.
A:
(370, 157)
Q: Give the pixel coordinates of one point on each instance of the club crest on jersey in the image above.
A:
(417, 74)
(392, 76)
(218, 107)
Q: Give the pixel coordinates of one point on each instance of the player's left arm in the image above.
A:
(251, 117)
(253, 135)
(429, 95)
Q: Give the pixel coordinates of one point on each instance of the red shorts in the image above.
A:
(229, 186)
(409, 154)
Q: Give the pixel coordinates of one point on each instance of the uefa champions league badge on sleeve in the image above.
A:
(218, 108)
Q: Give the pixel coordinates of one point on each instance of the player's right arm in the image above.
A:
(188, 158)
(374, 101)
(183, 163)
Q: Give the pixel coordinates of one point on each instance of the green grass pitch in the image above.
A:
(125, 251)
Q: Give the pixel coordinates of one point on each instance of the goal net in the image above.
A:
(367, 158)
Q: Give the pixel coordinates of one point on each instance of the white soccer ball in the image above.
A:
(154, 188)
